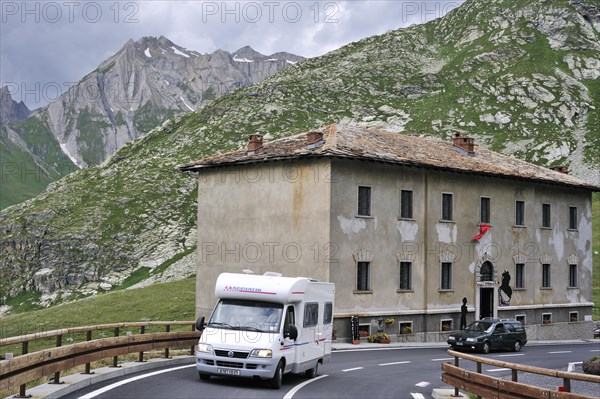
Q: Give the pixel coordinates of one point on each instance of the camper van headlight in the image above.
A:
(204, 348)
(261, 353)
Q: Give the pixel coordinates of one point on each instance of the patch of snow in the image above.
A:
(291, 62)
(64, 149)
(272, 59)
(166, 82)
(179, 52)
(235, 58)
(186, 104)
(147, 52)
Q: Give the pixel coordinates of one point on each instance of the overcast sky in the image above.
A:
(47, 45)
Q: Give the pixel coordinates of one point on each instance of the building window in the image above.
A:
(520, 275)
(520, 318)
(546, 275)
(363, 276)
(485, 210)
(546, 318)
(446, 279)
(546, 215)
(520, 213)
(406, 204)
(446, 206)
(405, 327)
(405, 276)
(573, 317)
(364, 201)
(573, 217)
(572, 276)
(446, 324)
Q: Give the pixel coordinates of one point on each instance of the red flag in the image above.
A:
(483, 228)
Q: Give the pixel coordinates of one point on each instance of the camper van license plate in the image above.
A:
(228, 371)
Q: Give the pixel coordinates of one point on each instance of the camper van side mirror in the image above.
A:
(200, 323)
(291, 332)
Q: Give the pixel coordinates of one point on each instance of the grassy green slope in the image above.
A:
(162, 302)
(26, 174)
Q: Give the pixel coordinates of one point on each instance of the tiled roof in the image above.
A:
(377, 145)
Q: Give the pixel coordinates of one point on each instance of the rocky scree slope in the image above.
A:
(143, 84)
(521, 76)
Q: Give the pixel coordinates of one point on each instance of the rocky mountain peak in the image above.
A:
(10, 110)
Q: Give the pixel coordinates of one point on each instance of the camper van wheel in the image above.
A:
(278, 377)
(312, 373)
(204, 377)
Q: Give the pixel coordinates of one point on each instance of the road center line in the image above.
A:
(355, 368)
(492, 370)
(512, 355)
(417, 395)
(390, 364)
(107, 388)
(295, 389)
(557, 352)
(423, 384)
(594, 350)
(443, 359)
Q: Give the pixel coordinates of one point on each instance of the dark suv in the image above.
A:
(488, 333)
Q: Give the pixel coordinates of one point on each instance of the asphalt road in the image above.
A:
(397, 373)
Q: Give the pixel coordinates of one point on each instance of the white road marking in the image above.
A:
(594, 350)
(390, 364)
(492, 370)
(514, 354)
(355, 368)
(442, 359)
(293, 391)
(557, 352)
(417, 395)
(422, 384)
(572, 365)
(107, 388)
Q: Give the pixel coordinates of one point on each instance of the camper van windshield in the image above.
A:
(247, 315)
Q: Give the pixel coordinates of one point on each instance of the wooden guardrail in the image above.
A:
(498, 388)
(28, 367)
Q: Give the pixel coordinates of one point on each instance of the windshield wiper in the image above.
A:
(220, 324)
(251, 328)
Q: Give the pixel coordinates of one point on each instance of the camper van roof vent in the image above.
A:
(247, 271)
(273, 274)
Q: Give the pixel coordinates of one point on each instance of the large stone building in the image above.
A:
(405, 226)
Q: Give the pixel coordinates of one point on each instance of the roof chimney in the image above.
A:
(314, 139)
(255, 143)
(561, 169)
(464, 145)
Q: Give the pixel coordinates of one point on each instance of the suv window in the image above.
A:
(509, 327)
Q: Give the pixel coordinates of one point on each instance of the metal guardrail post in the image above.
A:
(478, 365)
(23, 387)
(56, 379)
(567, 384)
(116, 358)
(456, 393)
(88, 366)
(141, 354)
(167, 329)
(192, 347)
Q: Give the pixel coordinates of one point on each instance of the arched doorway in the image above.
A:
(486, 290)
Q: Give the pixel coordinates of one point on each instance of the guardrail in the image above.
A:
(28, 367)
(498, 388)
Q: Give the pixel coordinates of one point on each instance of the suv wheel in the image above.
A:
(517, 346)
(486, 347)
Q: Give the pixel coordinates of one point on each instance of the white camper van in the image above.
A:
(265, 326)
